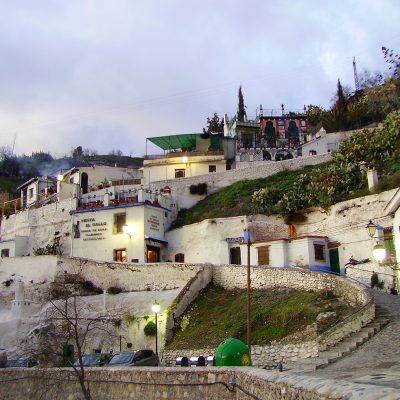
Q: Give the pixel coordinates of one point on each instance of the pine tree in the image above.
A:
(340, 107)
(241, 113)
(214, 125)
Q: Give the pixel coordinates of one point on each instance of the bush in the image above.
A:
(375, 282)
(150, 329)
(114, 290)
(89, 286)
(199, 189)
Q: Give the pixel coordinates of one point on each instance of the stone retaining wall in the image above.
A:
(131, 276)
(218, 180)
(180, 383)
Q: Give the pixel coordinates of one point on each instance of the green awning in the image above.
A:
(186, 141)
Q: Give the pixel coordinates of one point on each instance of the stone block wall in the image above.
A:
(362, 273)
(130, 276)
(180, 383)
(187, 295)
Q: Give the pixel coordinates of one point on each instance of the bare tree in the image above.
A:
(69, 320)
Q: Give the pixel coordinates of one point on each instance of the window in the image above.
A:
(5, 253)
(30, 193)
(212, 168)
(263, 255)
(179, 257)
(179, 173)
(235, 256)
(120, 255)
(319, 251)
(119, 222)
(312, 152)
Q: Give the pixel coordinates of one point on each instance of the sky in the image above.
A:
(106, 74)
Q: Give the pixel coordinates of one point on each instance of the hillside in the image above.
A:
(235, 200)
(290, 192)
(16, 170)
(218, 313)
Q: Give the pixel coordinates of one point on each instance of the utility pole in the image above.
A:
(356, 83)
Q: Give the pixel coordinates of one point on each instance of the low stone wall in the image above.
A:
(233, 276)
(187, 295)
(362, 273)
(180, 383)
(169, 356)
(261, 356)
(270, 356)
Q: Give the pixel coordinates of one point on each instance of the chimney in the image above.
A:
(372, 176)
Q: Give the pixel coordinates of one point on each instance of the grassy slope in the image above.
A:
(236, 199)
(218, 314)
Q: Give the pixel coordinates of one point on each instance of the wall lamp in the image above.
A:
(130, 230)
(371, 228)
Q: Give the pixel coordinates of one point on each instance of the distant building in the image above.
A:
(35, 190)
(188, 155)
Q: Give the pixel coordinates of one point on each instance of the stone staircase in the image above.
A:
(343, 348)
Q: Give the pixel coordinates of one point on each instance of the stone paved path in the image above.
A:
(377, 361)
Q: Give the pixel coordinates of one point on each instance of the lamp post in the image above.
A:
(378, 251)
(246, 238)
(155, 307)
(371, 228)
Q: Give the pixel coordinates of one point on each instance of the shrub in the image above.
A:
(114, 290)
(128, 317)
(89, 286)
(150, 329)
(199, 189)
(375, 282)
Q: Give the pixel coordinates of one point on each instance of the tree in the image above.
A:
(241, 112)
(339, 109)
(393, 59)
(71, 324)
(77, 152)
(214, 125)
(370, 79)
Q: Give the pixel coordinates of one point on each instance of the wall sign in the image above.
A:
(154, 223)
(90, 229)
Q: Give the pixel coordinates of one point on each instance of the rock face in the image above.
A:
(325, 319)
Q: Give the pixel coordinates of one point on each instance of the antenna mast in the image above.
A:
(356, 83)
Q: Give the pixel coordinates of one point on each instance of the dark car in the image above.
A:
(139, 358)
(93, 360)
(21, 363)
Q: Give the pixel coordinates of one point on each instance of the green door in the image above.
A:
(334, 260)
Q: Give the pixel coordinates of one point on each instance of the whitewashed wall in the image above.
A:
(164, 168)
(98, 242)
(41, 224)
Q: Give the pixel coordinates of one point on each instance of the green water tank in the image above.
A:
(232, 352)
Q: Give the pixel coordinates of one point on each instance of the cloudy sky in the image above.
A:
(106, 74)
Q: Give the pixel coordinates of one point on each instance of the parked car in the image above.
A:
(93, 360)
(138, 358)
(22, 362)
(3, 358)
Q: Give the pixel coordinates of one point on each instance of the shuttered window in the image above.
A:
(263, 255)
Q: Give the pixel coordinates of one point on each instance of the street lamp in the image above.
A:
(247, 239)
(371, 227)
(155, 307)
(379, 252)
(130, 230)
